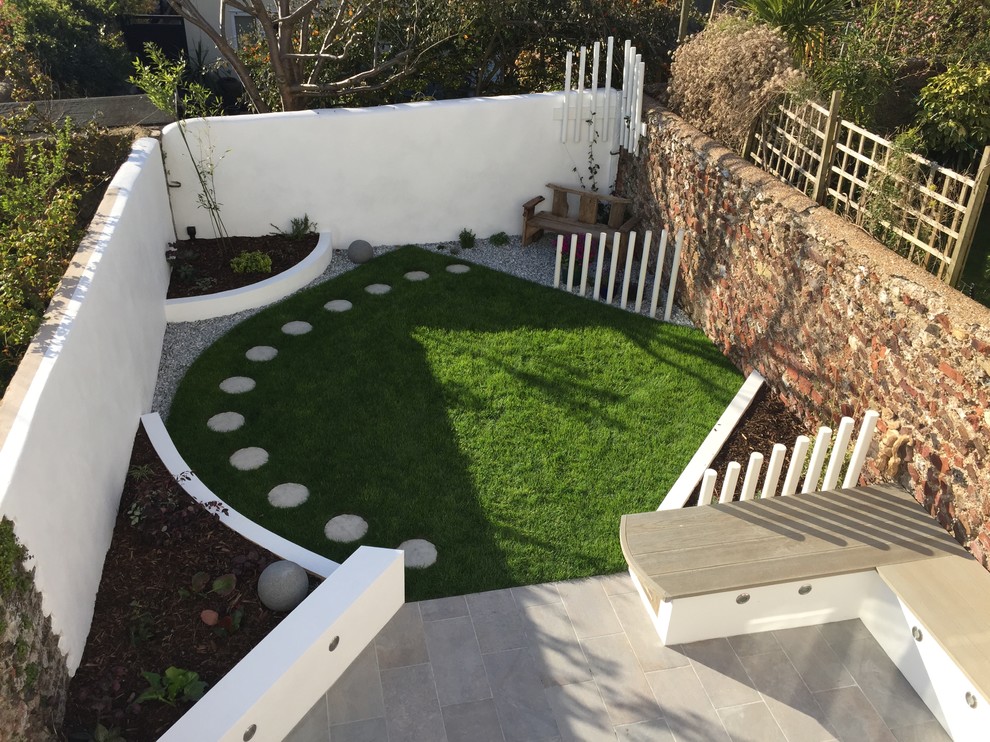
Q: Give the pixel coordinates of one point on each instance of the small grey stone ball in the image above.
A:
(282, 586)
(360, 252)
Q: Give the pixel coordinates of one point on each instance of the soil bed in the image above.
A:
(203, 266)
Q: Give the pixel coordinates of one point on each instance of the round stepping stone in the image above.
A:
(288, 495)
(458, 268)
(225, 422)
(248, 459)
(261, 353)
(237, 385)
(338, 305)
(420, 553)
(346, 528)
(416, 276)
(296, 328)
(378, 289)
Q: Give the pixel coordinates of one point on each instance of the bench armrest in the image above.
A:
(531, 204)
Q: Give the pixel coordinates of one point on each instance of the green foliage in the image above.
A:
(14, 579)
(177, 686)
(298, 228)
(169, 84)
(466, 238)
(106, 734)
(956, 108)
(253, 261)
(804, 23)
(499, 239)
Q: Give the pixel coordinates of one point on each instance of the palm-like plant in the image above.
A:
(804, 23)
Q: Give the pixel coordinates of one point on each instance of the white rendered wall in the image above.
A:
(68, 419)
(415, 172)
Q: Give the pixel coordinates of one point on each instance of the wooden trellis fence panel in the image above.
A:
(923, 211)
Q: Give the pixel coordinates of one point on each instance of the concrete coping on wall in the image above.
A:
(681, 491)
(222, 303)
(197, 489)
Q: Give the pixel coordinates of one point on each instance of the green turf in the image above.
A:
(508, 423)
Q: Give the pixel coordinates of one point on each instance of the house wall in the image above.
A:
(415, 172)
(835, 321)
(68, 418)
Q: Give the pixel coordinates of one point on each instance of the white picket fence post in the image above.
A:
(813, 475)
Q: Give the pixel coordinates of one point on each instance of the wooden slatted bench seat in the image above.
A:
(559, 220)
(871, 553)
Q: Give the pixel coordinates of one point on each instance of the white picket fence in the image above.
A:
(621, 116)
(813, 480)
(609, 280)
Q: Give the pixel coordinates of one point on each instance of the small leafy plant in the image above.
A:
(499, 239)
(298, 228)
(253, 261)
(177, 685)
(466, 238)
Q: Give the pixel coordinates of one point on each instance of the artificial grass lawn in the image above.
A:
(509, 424)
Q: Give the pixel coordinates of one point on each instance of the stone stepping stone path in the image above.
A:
(458, 268)
(261, 353)
(296, 328)
(237, 384)
(249, 459)
(338, 305)
(346, 528)
(377, 289)
(420, 553)
(288, 495)
(416, 276)
(225, 422)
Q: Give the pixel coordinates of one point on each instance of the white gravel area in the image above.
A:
(184, 341)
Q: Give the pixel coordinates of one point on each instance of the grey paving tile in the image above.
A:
(520, 701)
(476, 721)
(580, 713)
(314, 726)
(746, 644)
(621, 682)
(793, 706)
(553, 645)
(497, 621)
(617, 584)
(720, 672)
(642, 635)
(358, 693)
(686, 707)
(402, 642)
(645, 731)
(812, 656)
(457, 666)
(412, 712)
(369, 730)
(751, 722)
(930, 731)
(531, 595)
(589, 608)
(441, 608)
(852, 716)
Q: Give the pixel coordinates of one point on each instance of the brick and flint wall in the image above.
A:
(836, 322)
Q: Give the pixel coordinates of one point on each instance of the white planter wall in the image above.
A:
(69, 417)
(415, 172)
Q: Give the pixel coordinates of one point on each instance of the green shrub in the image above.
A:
(298, 228)
(253, 261)
(499, 239)
(804, 23)
(177, 685)
(466, 238)
(956, 108)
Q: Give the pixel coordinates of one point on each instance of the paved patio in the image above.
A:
(580, 661)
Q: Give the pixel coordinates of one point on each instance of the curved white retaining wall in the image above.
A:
(68, 419)
(257, 294)
(197, 489)
(415, 172)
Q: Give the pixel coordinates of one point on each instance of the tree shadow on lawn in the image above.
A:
(495, 430)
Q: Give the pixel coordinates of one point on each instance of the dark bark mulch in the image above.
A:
(203, 266)
(148, 615)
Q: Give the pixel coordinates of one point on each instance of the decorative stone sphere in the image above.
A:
(282, 586)
(360, 251)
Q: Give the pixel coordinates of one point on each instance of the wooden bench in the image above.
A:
(559, 220)
(870, 553)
